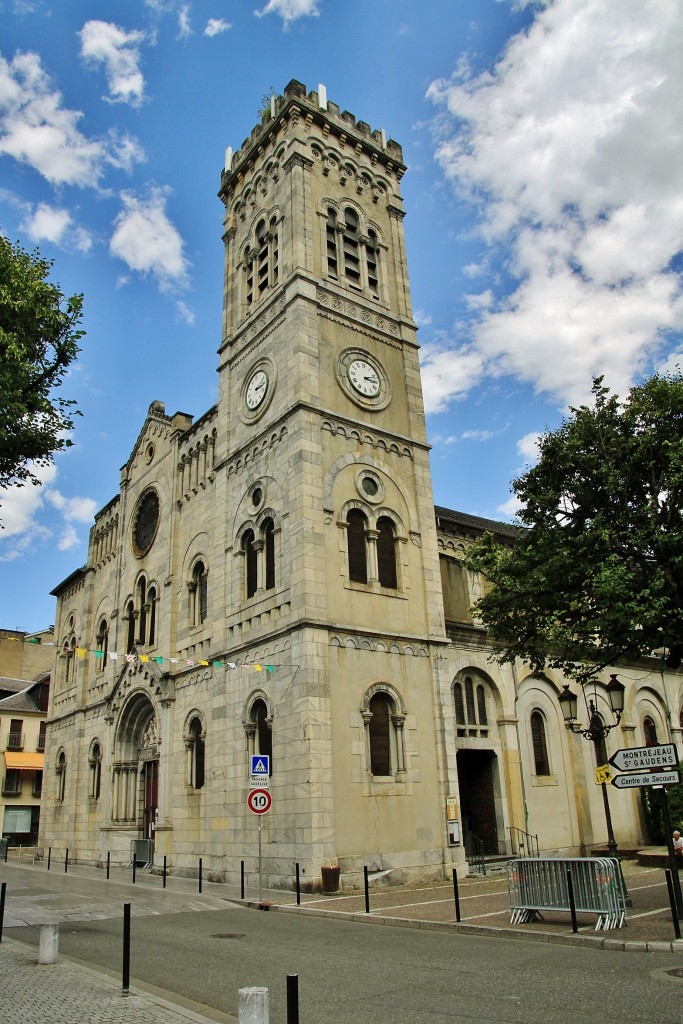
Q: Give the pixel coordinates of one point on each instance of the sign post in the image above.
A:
(259, 802)
(656, 767)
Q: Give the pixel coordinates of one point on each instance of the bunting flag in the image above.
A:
(145, 658)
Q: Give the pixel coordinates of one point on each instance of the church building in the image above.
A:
(273, 585)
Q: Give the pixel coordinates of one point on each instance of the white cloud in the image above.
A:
(448, 373)
(216, 26)
(290, 10)
(184, 27)
(147, 241)
(107, 44)
(570, 150)
(510, 508)
(54, 224)
(35, 129)
(527, 447)
(34, 514)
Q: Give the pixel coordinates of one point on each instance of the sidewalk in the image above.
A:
(68, 992)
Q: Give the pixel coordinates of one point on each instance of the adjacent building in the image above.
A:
(25, 662)
(273, 578)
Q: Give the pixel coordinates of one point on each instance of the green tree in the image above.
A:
(595, 574)
(39, 338)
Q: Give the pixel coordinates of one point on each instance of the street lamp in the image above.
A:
(596, 732)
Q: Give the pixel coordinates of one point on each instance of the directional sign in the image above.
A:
(259, 801)
(633, 759)
(260, 764)
(646, 779)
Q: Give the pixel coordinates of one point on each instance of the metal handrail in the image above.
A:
(474, 851)
(522, 843)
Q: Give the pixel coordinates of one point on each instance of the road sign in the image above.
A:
(646, 779)
(259, 782)
(633, 759)
(259, 801)
(260, 764)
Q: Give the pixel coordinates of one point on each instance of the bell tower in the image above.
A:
(332, 566)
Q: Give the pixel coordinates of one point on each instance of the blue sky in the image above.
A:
(544, 223)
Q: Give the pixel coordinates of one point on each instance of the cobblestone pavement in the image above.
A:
(70, 993)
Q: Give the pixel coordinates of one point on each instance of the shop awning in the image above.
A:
(24, 762)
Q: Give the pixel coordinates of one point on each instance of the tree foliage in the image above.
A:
(595, 575)
(39, 338)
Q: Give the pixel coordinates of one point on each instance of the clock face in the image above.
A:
(364, 378)
(256, 390)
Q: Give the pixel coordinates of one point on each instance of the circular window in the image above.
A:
(257, 497)
(146, 522)
(370, 487)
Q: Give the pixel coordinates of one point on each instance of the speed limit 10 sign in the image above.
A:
(259, 801)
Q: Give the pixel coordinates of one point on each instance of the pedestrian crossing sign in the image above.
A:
(260, 764)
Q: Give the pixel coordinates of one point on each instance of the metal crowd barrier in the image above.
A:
(536, 884)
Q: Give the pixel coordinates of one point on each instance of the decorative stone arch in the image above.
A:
(137, 744)
(648, 705)
(194, 738)
(257, 719)
(383, 713)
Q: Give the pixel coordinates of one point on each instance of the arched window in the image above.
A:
(95, 770)
(380, 744)
(459, 704)
(355, 538)
(385, 755)
(196, 751)
(351, 249)
(103, 643)
(650, 732)
(540, 747)
(386, 553)
(331, 242)
(70, 660)
(263, 261)
(61, 776)
(268, 534)
(251, 562)
(372, 255)
(198, 594)
(152, 616)
(261, 730)
(470, 704)
(130, 618)
(142, 616)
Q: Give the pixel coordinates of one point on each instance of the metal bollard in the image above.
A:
(3, 890)
(292, 999)
(48, 945)
(164, 885)
(66, 861)
(572, 901)
(49, 856)
(200, 874)
(108, 862)
(456, 896)
(126, 950)
(298, 887)
(367, 889)
(252, 1007)
(241, 879)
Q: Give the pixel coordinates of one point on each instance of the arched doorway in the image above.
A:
(477, 782)
(136, 767)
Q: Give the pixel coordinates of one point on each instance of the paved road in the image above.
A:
(205, 948)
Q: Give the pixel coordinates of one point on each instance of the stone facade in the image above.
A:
(274, 578)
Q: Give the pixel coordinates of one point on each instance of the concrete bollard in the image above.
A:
(48, 946)
(252, 1007)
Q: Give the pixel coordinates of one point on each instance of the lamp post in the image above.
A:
(596, 732)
